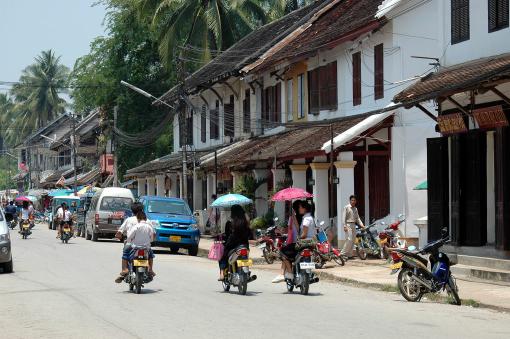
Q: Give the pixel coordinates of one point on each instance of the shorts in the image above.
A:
(127, 253)
(70, 223)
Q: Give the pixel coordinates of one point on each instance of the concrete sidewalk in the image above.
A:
(376, 273)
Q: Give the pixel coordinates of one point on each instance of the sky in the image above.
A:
(28, 27)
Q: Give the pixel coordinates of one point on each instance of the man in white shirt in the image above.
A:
(123, 231)
(64, 216)
(350, 219)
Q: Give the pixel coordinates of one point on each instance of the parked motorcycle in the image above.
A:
(66, 234)
(13, 223)
(415, 279)
(25, 229)
(270, 243)
(302, 269)
(367, 243)
(138, 269)
(238, 272)
(324, 251)
(390, 237)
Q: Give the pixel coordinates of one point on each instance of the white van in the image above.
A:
(106, 212)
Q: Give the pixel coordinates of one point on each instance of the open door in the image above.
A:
(437, 186)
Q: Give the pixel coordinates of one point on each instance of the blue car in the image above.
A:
(175, 225)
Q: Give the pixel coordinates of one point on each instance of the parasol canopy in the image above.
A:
(291, 193)
(23, 198)
(230, 200)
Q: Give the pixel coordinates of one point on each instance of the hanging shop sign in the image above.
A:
(490, 117)
(451, 123)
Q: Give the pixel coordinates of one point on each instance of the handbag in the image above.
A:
(216, 251)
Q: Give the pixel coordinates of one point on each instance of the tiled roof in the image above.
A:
(167, 162)
(247, 49)
(295, 142)
(344, 21)
(450, 80)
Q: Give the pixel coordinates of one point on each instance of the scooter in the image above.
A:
(238, 272)
(302, 270)
(367, 243)
(25, 229)
(324, 251)
(415, 278)
(390, 237)
(138, 267)
(66, 233)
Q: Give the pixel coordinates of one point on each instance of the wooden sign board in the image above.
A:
(451, 124)
(490, 117)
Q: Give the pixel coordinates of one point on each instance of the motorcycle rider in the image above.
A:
(26, 213)
(140, 234)
(122, 232)
(11, 211)
(350, 218)
(64, 216)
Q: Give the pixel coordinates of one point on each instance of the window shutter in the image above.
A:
(228, 121)
(314, 91)
(498, 14)
(203, 124)
(300, 96)
(246, 112)
(502, 13)
(356, 79)
(493, 15)
(278, 104)
(333, 87)
(323, 84)
(459, 20)
(379, 72)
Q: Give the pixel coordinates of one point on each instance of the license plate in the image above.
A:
(175, 238)
(67, 229)
(142, 263)
(262, 246)
(244, 263)
(116, 222)
(306, 265)
(25, 226)
(396, 266)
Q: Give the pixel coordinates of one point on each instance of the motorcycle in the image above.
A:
(270, 243)
(13, 223)
(324, 251)
(390, 237)
(367, 243)
(138, 267)
(415, 279)
(66, 234)
(238, 272)
(25, 229)
(302, 270)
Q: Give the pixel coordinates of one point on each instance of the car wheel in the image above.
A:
(8, 267)
(193, 251)
(174, 249)
(87, 234)
(95, 236)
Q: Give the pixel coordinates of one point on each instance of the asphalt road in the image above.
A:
(67, 291)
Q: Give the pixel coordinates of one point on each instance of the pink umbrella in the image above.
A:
(23, 198)
(291, 193)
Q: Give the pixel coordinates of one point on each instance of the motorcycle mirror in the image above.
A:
(444, 231)
(322, 223)
(412, 248)
(383, 223)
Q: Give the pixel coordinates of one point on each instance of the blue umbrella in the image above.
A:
(231, 199)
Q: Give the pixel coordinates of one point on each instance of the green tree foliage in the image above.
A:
(129, 52)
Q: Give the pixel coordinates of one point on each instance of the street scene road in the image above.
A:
(67, 291)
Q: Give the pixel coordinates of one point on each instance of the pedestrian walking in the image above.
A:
(213, 217)
(350, 219)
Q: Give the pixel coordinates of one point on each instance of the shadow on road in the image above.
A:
(144, 291)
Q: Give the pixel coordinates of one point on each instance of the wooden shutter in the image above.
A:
(214, 120)
(502, 168)
(189, 129)
(313, 91)
(473, 188)
(379, 71)
(455, 226)
(203, 124)
(332, 86)
(378, 184)
(228, 121)
(356, 79)
(459, 21)
(278, 103)
(498, 14)
(323, 82)
(246, 112)
(437, 186)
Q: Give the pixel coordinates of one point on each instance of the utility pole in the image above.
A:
(183, 128)
(73, 149)
(331, 168)
(114, 147)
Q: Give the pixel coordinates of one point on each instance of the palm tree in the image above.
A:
(203, 27)
(279, 8)
(37, 99)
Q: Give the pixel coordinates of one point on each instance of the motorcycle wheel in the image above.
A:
(67, 241)
(409, 289)
(243, 285)
(290, 287)
(361, 253)
(339, 260)
(139, 278)
(267, 256)
(131, 287)
(226, 286)
(452, 290)
(305, 284)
